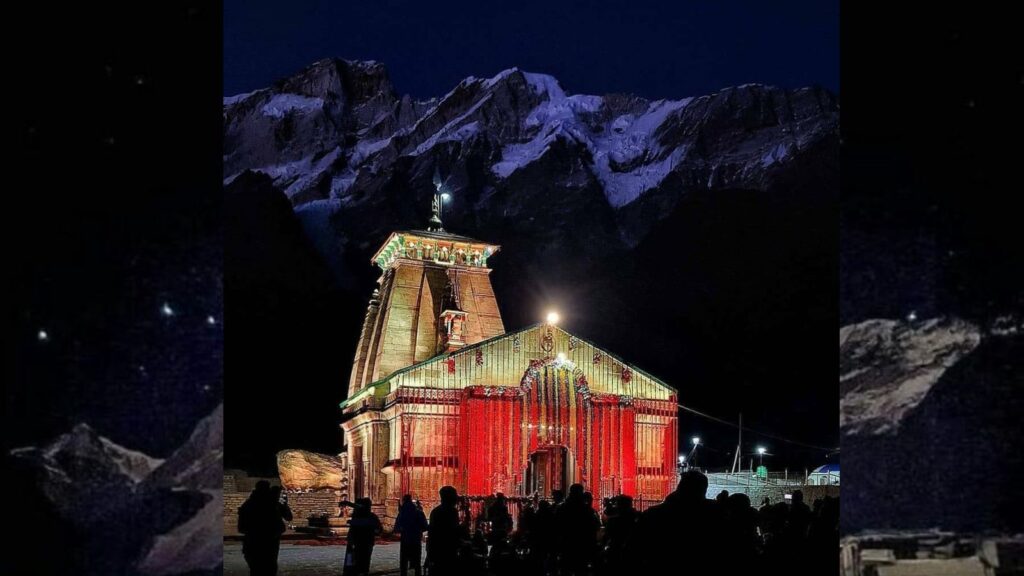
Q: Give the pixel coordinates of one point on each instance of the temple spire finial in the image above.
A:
(436, 205)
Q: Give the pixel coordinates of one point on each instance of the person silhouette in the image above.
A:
(557, 497)
(618, 529)
(577, 525)
(799, 517)
(542, 536)
(282, 515)
(261, 520)
(500, 519)
(740, 539)
(443, 534)
(411, 523)
(363, 529)
(684, 530)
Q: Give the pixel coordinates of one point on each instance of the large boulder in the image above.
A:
(302, 470)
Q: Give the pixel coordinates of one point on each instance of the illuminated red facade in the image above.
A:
(440, 394)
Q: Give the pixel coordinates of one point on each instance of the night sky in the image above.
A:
(652, 48)
(112, 233)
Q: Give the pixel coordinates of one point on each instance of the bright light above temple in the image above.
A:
(761, 450)
(553, 317)
(695, 440)
(682, 459)
(912, 316)
(561, 356)
(166, 310)
(42, 336)
(445, 196)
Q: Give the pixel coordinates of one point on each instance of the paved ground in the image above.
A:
(305, 560)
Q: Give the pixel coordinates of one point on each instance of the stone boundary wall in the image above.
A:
(238, 486)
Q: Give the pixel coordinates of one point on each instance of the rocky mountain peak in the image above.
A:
(197, 464)
(888, 367)
(352, 81)
(337, 131)
(141, 514)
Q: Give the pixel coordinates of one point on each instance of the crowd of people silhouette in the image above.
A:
(566, 536)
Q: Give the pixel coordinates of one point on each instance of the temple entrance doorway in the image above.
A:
(548, 470)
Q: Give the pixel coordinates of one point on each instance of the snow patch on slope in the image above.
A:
(627, 139)
(544, 84)
(229, 100)
(282, 104)
(133, 463)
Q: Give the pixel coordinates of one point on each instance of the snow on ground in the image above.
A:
(303, 560)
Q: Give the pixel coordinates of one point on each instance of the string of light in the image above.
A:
(758, 432)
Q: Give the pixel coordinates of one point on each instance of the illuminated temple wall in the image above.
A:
(474, 417)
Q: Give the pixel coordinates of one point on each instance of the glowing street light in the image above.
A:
(42, 336)
(553, 317)
(682, 459)
(760, 455)
(693, 451)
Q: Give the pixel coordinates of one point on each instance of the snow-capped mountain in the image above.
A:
(930, 414)
(888, 367)
(338, 135)
(85, 474)
(130, 513)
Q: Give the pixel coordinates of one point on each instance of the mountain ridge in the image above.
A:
(328, 131)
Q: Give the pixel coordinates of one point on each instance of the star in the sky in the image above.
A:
(42, 336)
(211, 320)
(912, 316)
(166, 310)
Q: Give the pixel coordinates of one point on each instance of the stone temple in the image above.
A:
(440, 394)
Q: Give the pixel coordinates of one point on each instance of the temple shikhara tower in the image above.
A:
(440, 394)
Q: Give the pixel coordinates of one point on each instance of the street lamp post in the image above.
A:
(760, 455)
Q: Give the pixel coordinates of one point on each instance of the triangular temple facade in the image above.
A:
(441, 395)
